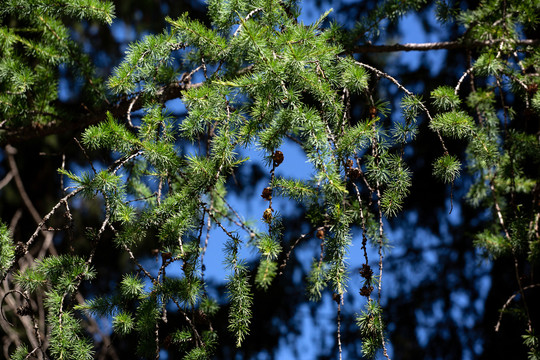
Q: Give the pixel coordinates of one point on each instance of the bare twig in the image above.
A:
(339, 327)
(469, 70)
(253, 12)
(156, 337)
(443, 45)
(381, 243)
(364, 230)
(14, 220)
(27, 311)
(121, 162)
(85, 155)
(6, 179)
(286, 259)
(218, 223)
(129, 110)
(11, 151)
(22, 248)
(198, 338)
(516, 264)
(206, 238)
(406, 91)
(238, 222)
(507, 303)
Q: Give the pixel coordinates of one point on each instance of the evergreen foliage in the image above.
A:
(265, 78)
(7, 249)
(34, 42)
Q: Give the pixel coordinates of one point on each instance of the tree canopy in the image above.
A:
(113, 193)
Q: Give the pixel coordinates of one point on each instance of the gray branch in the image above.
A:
(444, 45)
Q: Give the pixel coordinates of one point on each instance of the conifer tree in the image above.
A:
(253, 77)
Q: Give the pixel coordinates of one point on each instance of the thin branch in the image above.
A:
(4, 298)
(206, 238)
(406, 91)
(86, 118)
(62, 174)
(339, 327)
(121, 162)
(516, 264)
(240, 222)
(156, 333)
(6, 179)
(15, 220)
(11, 151)
(286, 259)
(381, 243)
(507, 303)
(13, 302)
(130, 108)
(253, 12)
(85, 155)
(23, 311)
(218, 223)
(134, 259)
(364, 230)
(198, 339)
(22, 248)
(469, 70)
(443, 45)
(131, 256)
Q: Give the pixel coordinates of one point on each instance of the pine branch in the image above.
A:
(84, 117)
(127, 105)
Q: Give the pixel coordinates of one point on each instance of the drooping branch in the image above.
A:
(443, 45)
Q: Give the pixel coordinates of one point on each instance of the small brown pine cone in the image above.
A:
(372, 112)
(267, 215)
(277, 157)
(366, 272)
(267, 194)
(366, 290)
